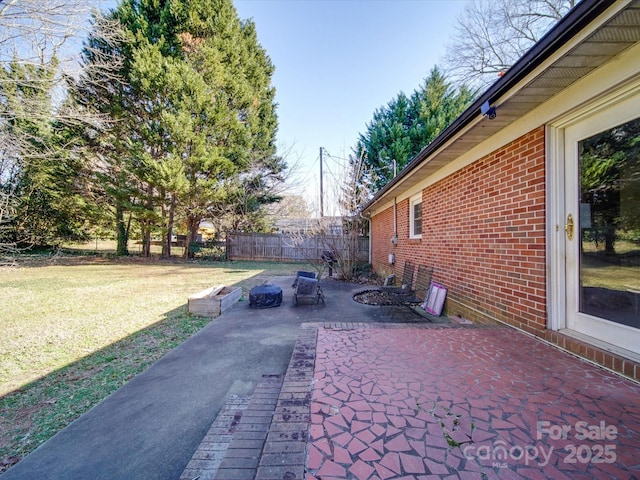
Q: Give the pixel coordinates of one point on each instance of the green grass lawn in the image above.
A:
(599, 269)
(75, 331)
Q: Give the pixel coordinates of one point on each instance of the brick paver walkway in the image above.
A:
(465, 403)
(206, 460)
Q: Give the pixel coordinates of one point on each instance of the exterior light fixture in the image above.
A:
(488, 111)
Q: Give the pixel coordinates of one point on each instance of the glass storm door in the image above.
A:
(602, 228)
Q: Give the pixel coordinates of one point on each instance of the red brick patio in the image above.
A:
(428, 401)
(465, 403)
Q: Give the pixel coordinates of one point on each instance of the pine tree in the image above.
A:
(47, 176)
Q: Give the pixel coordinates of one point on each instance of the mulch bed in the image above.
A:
(375, 297)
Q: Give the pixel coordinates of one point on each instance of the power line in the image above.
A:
(339, 158)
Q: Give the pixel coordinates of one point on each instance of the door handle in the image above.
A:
(569, 227)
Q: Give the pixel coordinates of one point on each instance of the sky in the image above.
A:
(336, 62)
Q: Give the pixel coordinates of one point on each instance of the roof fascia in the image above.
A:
(578, 18)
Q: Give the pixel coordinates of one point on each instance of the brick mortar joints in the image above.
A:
(267, 382)
(297, 373)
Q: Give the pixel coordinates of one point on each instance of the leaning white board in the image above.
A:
(435, 299)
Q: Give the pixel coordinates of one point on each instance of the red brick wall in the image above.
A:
(484, 233)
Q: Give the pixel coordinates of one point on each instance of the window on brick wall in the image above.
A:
(415, 216)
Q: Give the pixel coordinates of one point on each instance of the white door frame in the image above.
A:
(612, 108)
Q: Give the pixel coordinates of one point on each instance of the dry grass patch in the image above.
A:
(74, 333)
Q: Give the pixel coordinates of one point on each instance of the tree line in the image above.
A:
(171, 117)
(170, 120)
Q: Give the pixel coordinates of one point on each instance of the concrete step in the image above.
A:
(243, 455)
(284, 453)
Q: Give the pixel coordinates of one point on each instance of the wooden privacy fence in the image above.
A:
(291, 248)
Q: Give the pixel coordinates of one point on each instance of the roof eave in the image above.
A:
(567, 28)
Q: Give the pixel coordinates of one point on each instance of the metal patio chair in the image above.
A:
(307, 285)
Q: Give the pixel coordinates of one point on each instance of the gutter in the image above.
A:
(567, 27)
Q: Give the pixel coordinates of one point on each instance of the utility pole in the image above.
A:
(321, 191)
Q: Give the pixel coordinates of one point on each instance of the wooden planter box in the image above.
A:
(213, 301)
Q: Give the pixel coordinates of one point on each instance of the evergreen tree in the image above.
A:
(195, 101)
(42, 174)
(406, 125)
(104, 88)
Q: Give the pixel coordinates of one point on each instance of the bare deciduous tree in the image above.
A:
(352, 196)
(40, 43)
(342, 237)
(491, 35)
(45, 34)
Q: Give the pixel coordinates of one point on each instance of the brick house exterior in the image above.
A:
(492, 192)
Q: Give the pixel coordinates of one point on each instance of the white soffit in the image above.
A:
(619, 33)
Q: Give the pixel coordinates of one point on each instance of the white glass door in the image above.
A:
(602, 226)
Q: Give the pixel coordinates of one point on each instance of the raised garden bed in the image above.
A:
(213, 301)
